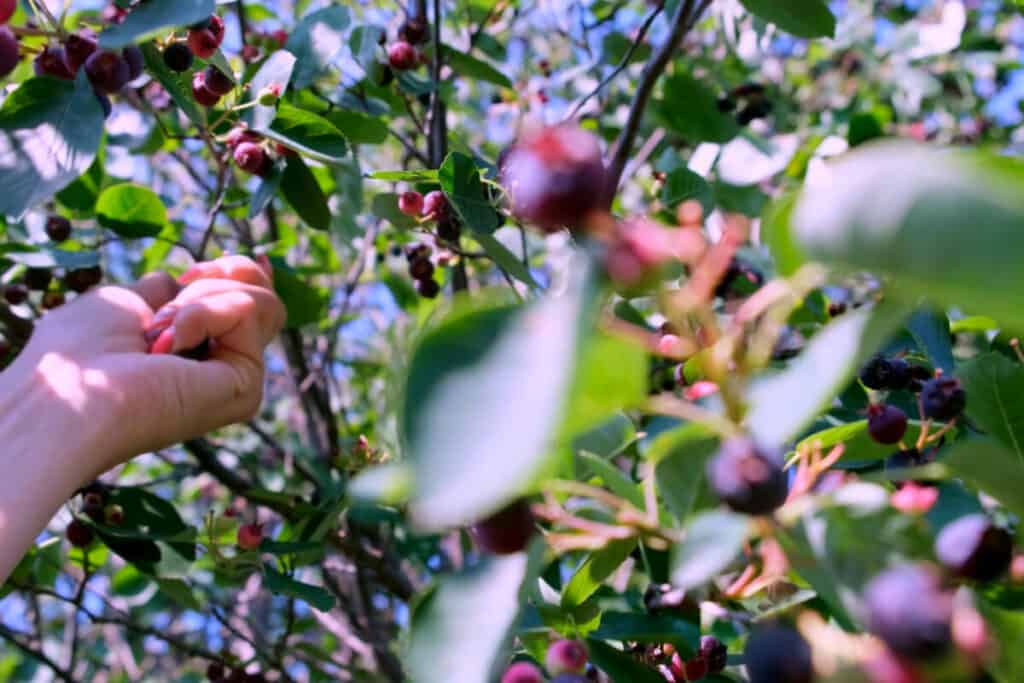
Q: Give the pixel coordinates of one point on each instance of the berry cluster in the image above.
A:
(96, 505)
(251, 152)
(403, 54)
(78, 280)
(566, 661)
(749, 101)
(421, 269)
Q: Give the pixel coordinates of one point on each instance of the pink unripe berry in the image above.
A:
(522, 672)
(7, 8)
(250, 536)
(402, 56)
(566, 656)
(410, 203)
(252, 158)
(435, 206)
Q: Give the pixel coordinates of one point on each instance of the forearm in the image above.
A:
(47, 451)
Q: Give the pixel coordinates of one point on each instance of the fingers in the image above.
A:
(238, 268)
(156, 289)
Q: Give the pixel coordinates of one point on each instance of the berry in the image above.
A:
(410, 203)
(436, 206)
(239, 135)
(280, 36)
(113, 515)
(740, 280)
(77, 50)
(9, 55)
(402, 56)
(943, 398)
(79, 534)
(566, 656)
(50, 62)
(250, 53)
(413, 31)
(748, 479)
(136, 62)
(714, 652)
(283, 151)
(449, 230)
(15, 294)
(421, 269)
(201, 93)
(215, 672)
(217, 82)
(909, 609)
(38, 279)
(522, 672)
(252, 158)
(972, 547)
(689, 670)
(777, 653)
(203, 43)
(886, 424)
(92, 505)
(7, 9)
(570, 678)
(58, 228)
(217, 28)
(107, 71)
(52, 300)
(250, 536)
(507, 531)
(555, 176)
(428, 289)
(178, 57)
(885, 373)
(906, 459)
(269, 95)
(83, 279)
(112, 14)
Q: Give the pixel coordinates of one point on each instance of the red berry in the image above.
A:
(410, 203)
(92, 505)
(239, 135)
(566, 656)
(250, 536)
(201, 93)
(522, 672)
(696, 669)
(58, 228)
(203, 43)
(217, 82)
(402, 56)
(77, 49)
(436, 206)
(50, 62)
(280, 36)
(7, 8)
(16, 294)
(507, 531)
(252, 158)
(107, 71)
(250, 53)
(216, 27)
(79, 533)
(283, 151)
(714, 652)
(9, 54)
(421, 269)
(555, 176)
(886, 424)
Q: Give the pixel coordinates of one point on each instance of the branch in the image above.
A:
(14, 638)
(682, 21)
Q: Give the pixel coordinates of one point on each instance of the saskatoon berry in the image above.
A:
(77, 50)
(522, 672)
(252, 158)
(50, 62)
(38, 279)
(15, 295)
(113, 515)
(250, 536)
(555, 176)
(449, 230)
(413, 31)
(428, 289)
(507, 531)
(688, 670)
(435, 206)
(107, 71)
(876, 374)
(421, 269)
(215, 672)
(402, 56)
(714, 652)
(410, 203)
(239, 135)
(9, 56)
(909, 609)
(886, 424)
(777, 653)
(907, 459)
(79, 533)
(52, 300)
(203, 43)
(972, 547)
(570, 678)
(92, 505)
(217, 82)
(748, 479)
(58, 228)
(83, 279)
(178, 57)
(217, 28)
(201, 93)
(566, 656)
(7, 8)
(136, 62)
(943, 398)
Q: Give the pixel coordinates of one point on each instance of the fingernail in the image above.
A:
(190, 274)
(164, 343)
(163, 316)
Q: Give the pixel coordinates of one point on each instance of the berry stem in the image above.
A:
(942, 432)
(668, 404)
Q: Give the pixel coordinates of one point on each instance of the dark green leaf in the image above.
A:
(301, 190)
(460, 180)
(303, 302)
(683, 184)
(649, 628)
(803, 18)
(314, 596)
(131, 211)
(595, 569)
(621, 667)
(994, 386)
(680, 456)
(153, 17)
(930, 330)
(991, 467)
(307, 133)
(690, 109)
(474, 68)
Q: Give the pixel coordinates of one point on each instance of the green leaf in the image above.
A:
(859, 444)
(50, 131)
(150, 18)
(423, 176)
(307, 133)
(621, 667)
(608, 438)
(802, 18)
(680, 457)
(777, 232)
(611, 376)
(615, 46)
(303, 302)
(931, 212)
(180, 592)
(177, 85)
(82, 193)
(690, 109)
(991, 467)
(783, 404)
(683, 184)
(994, 386)
(930, 329)
(460, 180)
(265, 192)
(301, 190)
(316, 40)
(131, 211)
(508, 261)
(277, 70)
(595, 569)
(314, 596)
(357, 127)
(649, 628)
(1007, 627)
(474, 68)
(475, 609)
(618, 483)
(388, 484)
(713, 542)
(471, 448)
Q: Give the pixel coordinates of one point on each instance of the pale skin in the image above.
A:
(100, 383)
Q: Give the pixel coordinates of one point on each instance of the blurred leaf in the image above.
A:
(1006, 627)
(314, 596)
(302, 191)
(991, 467)
(303, 302)
(474, 68)
(50, 131)
(608, 438)
(358, 128)
(505, 259)
(621, 667)
(778, 233)
(680, 458)
(994, 386)
(864, 127)
(611, 377)
(418, 176)
(81, 194)
(590, 575)
(388, 484)
(153, 17)
(315, 41)
(649, 628)
(713, 541)
(277, 70)
(180, 592)
(386, 206)
(930, 330)
(683, 184)
(690, 109)
(615, 46)
(460, 180)
(131, 211)
(802, 18)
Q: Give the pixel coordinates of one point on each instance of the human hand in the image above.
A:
(108, 363)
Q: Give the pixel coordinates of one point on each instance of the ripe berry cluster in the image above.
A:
(421, 269)
(403, 53)
(78, 280)
(250, 151)
(96, 505)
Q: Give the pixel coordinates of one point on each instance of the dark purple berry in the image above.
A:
(9, 51)
(77, 50)
(178, 57)
(50, 62)
(217, 82)
(421, 269)
(507, 531)
(38, 279)
(748, 479)
(972, 547)
(79, 534)
(911, 611)
(428, 289)
(714, 652)
(215, 672)
(777, 653)
(885, 373)
(82, 280)
(449, 230)
(136, 62)
(413, 31)
(107, 71)
(886, 424)
(58, 228)
(943, 398)
(15, 294)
